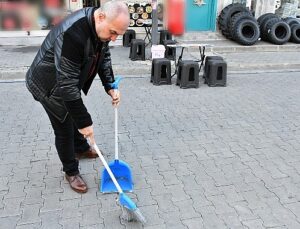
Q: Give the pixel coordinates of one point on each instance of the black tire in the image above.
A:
(263, 27)
(227, 13)
(291, 21)
(235, 19)
(295, 33)
(263, 22)
(279, 32)
(261, 18)
(246, 32)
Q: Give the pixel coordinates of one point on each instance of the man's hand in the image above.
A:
(116, 97)
(88, 132)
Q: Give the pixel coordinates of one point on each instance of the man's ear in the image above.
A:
(102, 16)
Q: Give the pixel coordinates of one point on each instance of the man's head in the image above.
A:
(111, 20)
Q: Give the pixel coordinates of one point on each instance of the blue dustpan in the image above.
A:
(122, 172)
(120, 169)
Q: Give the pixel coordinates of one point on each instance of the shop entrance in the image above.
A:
(95, 3)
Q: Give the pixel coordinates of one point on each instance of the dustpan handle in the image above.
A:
(116, 135)
(107, 168)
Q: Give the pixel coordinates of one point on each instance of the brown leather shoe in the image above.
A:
(90, 153)
(77, 183)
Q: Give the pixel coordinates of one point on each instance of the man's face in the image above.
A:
(109, 29)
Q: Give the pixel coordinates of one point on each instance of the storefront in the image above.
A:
(29, 15)
(200, 15)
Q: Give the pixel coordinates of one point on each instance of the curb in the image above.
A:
(145, 70)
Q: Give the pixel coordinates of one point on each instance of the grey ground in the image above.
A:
(224, 157)
(201, 158)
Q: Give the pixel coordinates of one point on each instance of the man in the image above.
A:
(71, 55)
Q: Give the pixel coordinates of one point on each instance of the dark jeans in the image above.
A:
(68, 141)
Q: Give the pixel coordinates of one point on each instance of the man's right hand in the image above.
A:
(88, 132)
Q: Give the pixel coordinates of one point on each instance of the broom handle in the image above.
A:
(108, 169)
(116, 135)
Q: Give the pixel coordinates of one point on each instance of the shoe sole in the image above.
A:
(79, 191)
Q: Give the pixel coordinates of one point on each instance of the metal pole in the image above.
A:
(154, 32)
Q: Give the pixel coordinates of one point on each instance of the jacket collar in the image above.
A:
(91, 20)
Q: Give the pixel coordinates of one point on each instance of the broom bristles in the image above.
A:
(133, 215)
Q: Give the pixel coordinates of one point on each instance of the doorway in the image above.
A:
(93, 3)
(201, 15)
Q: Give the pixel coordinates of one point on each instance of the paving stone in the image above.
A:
(51, 219)
(11, 207)
(16, 189)
(144, 196)
(231, 219)
(29, 226)
(33, 196)
(267, 217)
(284, 196)
(156, 227)
(68, 193)
(52, 185)
(158, 187)
(170, 178)
(187, 210)
(70, 209)
(231, 194)
(108, 202)
(90, 198)
(165, 203)
(9, 222)
(211, 220)
(35, 180)
(4, 183)
(255, 223)
(87, 167)
(30, 214)
(112, 219)
(172, 220)
(52, 202)
(90, 215)
(140, 182)
(295, 208)
(193, 223)
(220, 204)
(244, 211)
(72, 223)
(178, 193)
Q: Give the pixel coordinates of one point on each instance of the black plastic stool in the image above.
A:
(188, 74)
(164, 35)
(216, 73)
(137, 49)
(207, 59)
(161, 71)
(170, 52)
(128, 36)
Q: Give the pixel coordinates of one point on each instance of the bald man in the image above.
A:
(66, 64)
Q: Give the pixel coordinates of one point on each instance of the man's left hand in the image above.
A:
(116, 97)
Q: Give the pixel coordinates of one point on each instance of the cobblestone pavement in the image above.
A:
(201, 158)
(15, 60)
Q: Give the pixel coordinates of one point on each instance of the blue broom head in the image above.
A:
(127, 202)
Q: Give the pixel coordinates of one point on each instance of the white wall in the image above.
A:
(223, 3)
(264, 6)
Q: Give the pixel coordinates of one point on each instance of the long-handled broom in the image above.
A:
(129, 208)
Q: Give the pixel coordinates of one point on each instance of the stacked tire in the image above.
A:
(294, 24)
(274, 29)
(237, 23)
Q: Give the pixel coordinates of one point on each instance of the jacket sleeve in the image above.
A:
(69, 56)
(105, 70)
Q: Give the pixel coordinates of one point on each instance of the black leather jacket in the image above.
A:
(67, 62)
